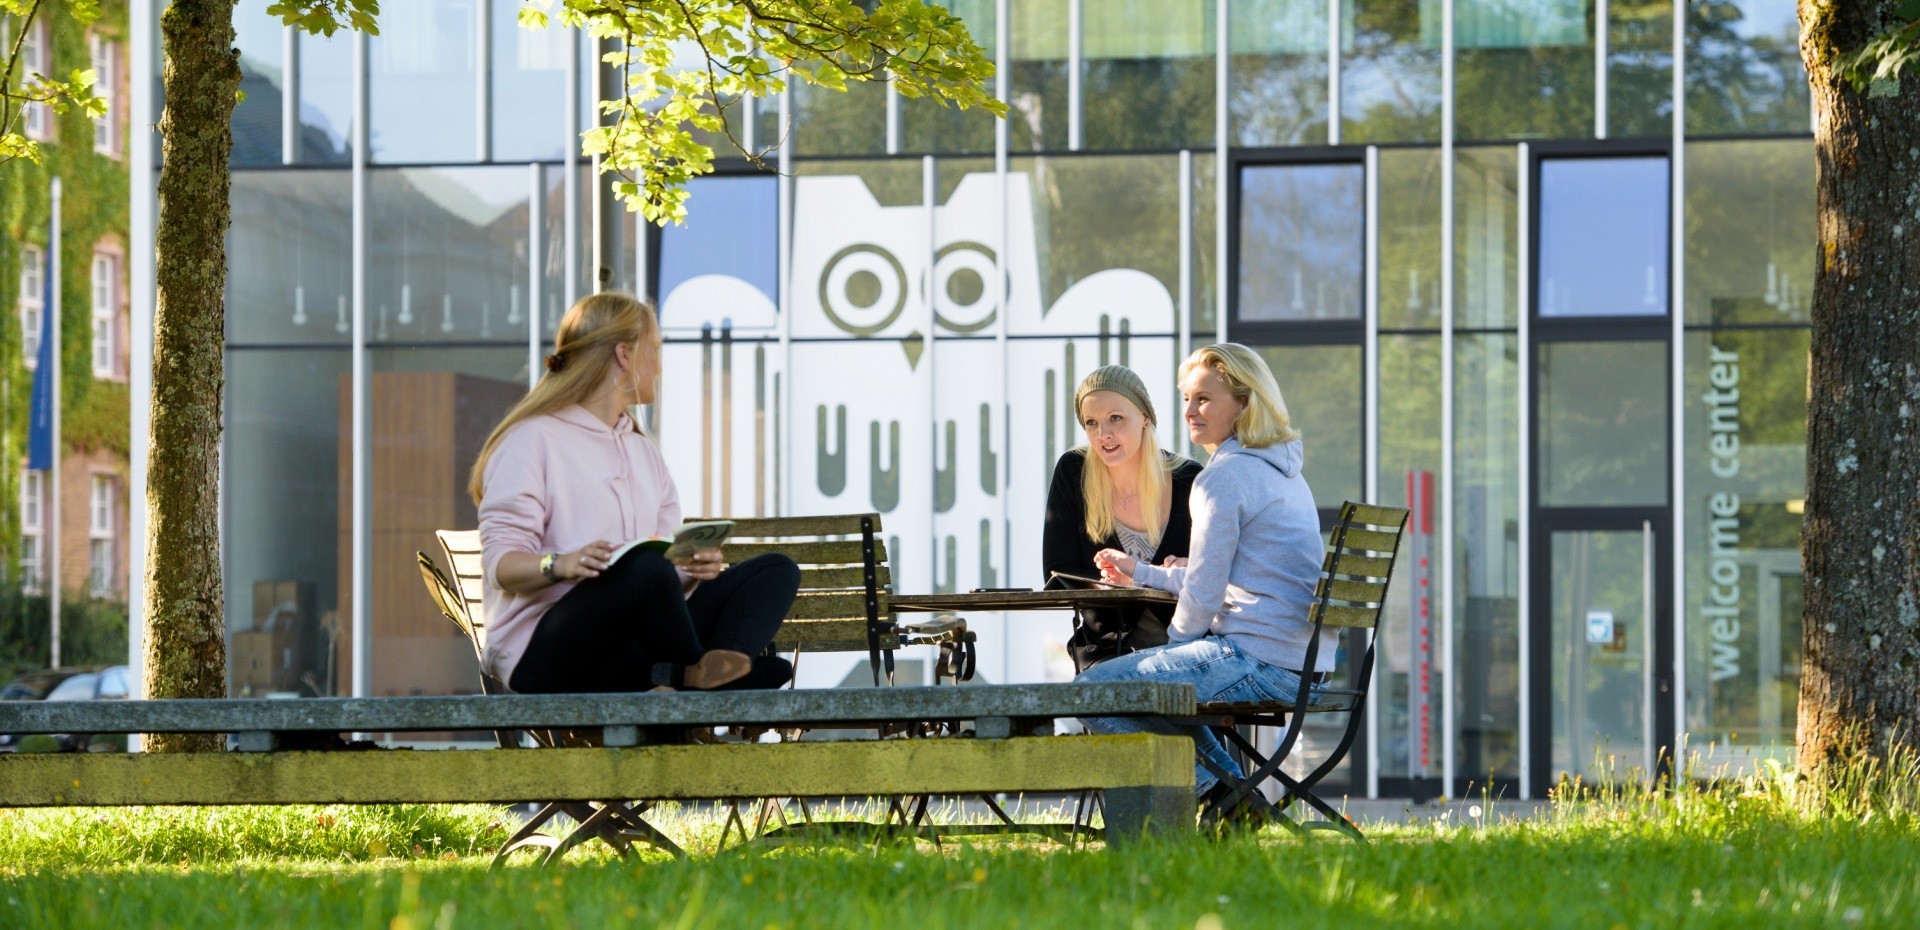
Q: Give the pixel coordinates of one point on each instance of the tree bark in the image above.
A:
(185, 608)
(1860, 677)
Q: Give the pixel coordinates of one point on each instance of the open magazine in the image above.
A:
(1081, 581)
(704, 534)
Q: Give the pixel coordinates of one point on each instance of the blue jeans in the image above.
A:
(1218, 671)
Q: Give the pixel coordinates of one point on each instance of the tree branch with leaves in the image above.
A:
(20, 90)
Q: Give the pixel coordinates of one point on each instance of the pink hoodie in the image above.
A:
(555, 483)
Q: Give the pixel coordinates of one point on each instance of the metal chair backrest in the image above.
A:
(1352, 591)
(844, 578)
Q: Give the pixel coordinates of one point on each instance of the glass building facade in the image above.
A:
(1537, 269)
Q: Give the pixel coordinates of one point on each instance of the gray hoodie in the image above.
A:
(1256, 558)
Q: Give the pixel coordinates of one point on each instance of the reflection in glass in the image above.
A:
(448, 258)
(1603, 424)
(1410, 238)
(1301, 242)
(281, 502)
(421, 83)
(261, 40)
(1745, 461)
(1640, 68)
(529, 80)
(831, 122)
(1750, 214)
(1390, 71)
(1037, 84)
(1603, 237)
(1093, 214)
(1206, 258)
(1277, 78)
(1487, 237)
(326, 98)
(1598, 679)
(1744, 72)
(1411, 679)
(1147, 58)
(1486, 523)
(1523, 67)
(430, 411)
(1322, 389)
(290, 251)
(928, 127)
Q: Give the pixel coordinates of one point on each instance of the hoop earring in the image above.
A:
(635, 386)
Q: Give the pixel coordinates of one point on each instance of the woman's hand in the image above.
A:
(705, 565)
(586, 562)
(1116, 567)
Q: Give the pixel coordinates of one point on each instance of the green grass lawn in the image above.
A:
(1731, 855)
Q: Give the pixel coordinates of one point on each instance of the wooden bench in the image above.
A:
(1147, 779)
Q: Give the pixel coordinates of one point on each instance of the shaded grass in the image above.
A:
(1738, 853)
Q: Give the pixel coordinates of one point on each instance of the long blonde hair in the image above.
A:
(582, 355)
(1154, 480)
(1264, 422)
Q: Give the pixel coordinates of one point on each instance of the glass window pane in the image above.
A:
(1486, 237)
(1037, 83)
(1390, 71)
(1206, 259)
(926, 126)
(1148, 75)
(1486, 521)
(326, 98)
(724, 262)
(421, 90)
(1744, 73)
(1603, 237)
(1603, 424)
(1523, 68)
(449, 251)
(1409, 238)
(831, 122)
(529, 86)
(1277, 79)
(1750, 215)
(1745, 460)
(1640, 67)
(1100, 235)
(283, 497)
(290, 255)
(261, 40)
(1321, 387)
(1412, 678)
(1301, 242)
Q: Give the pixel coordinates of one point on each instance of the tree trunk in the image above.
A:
(1860, 684)
(186, 652)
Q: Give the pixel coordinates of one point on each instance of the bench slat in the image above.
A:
(1363, 592)
(1375, 515)
(1361, 617)
(540, 711)
(826, 605)
(1359, 540)
(831, 525)
(844, 576)
(805, 553)
(1360, 566)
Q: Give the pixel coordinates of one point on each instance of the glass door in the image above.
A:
(1602, 648)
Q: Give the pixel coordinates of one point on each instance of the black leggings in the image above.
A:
(607, 633)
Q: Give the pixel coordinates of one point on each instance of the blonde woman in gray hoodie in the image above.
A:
(1240, 631)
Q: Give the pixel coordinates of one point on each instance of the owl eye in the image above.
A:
(863, 289)
(963, 299)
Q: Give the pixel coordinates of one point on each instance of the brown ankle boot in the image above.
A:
(716, 668)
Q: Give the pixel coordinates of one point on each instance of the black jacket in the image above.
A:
(1104, 632)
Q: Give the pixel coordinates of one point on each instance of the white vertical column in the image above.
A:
(570, 180)
(1446, 398)
(1333, 75)
(483, 80)
(289, 94)
(1184, 324)
(143, 211)
(1524, 404)
(536, 256)
(1222, 174)
(361, 562)
(783, 492)
(1600, 67)
(1370, 358)
(1002, 61)
(1678, 316)
(1073, 74)
(893, 117)
(50, 508)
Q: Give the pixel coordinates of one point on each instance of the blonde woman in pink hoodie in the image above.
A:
(568, 477)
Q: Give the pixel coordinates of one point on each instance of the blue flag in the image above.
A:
(40, 425)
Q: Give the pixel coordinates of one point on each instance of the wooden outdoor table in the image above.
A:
(1062, 599)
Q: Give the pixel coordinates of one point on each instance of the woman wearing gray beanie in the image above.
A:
(1118, 492)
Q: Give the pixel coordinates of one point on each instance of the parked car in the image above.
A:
(67, 684)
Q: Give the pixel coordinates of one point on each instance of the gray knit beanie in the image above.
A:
(1120, 380)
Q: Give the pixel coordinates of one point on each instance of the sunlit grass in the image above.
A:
(1730, 851)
